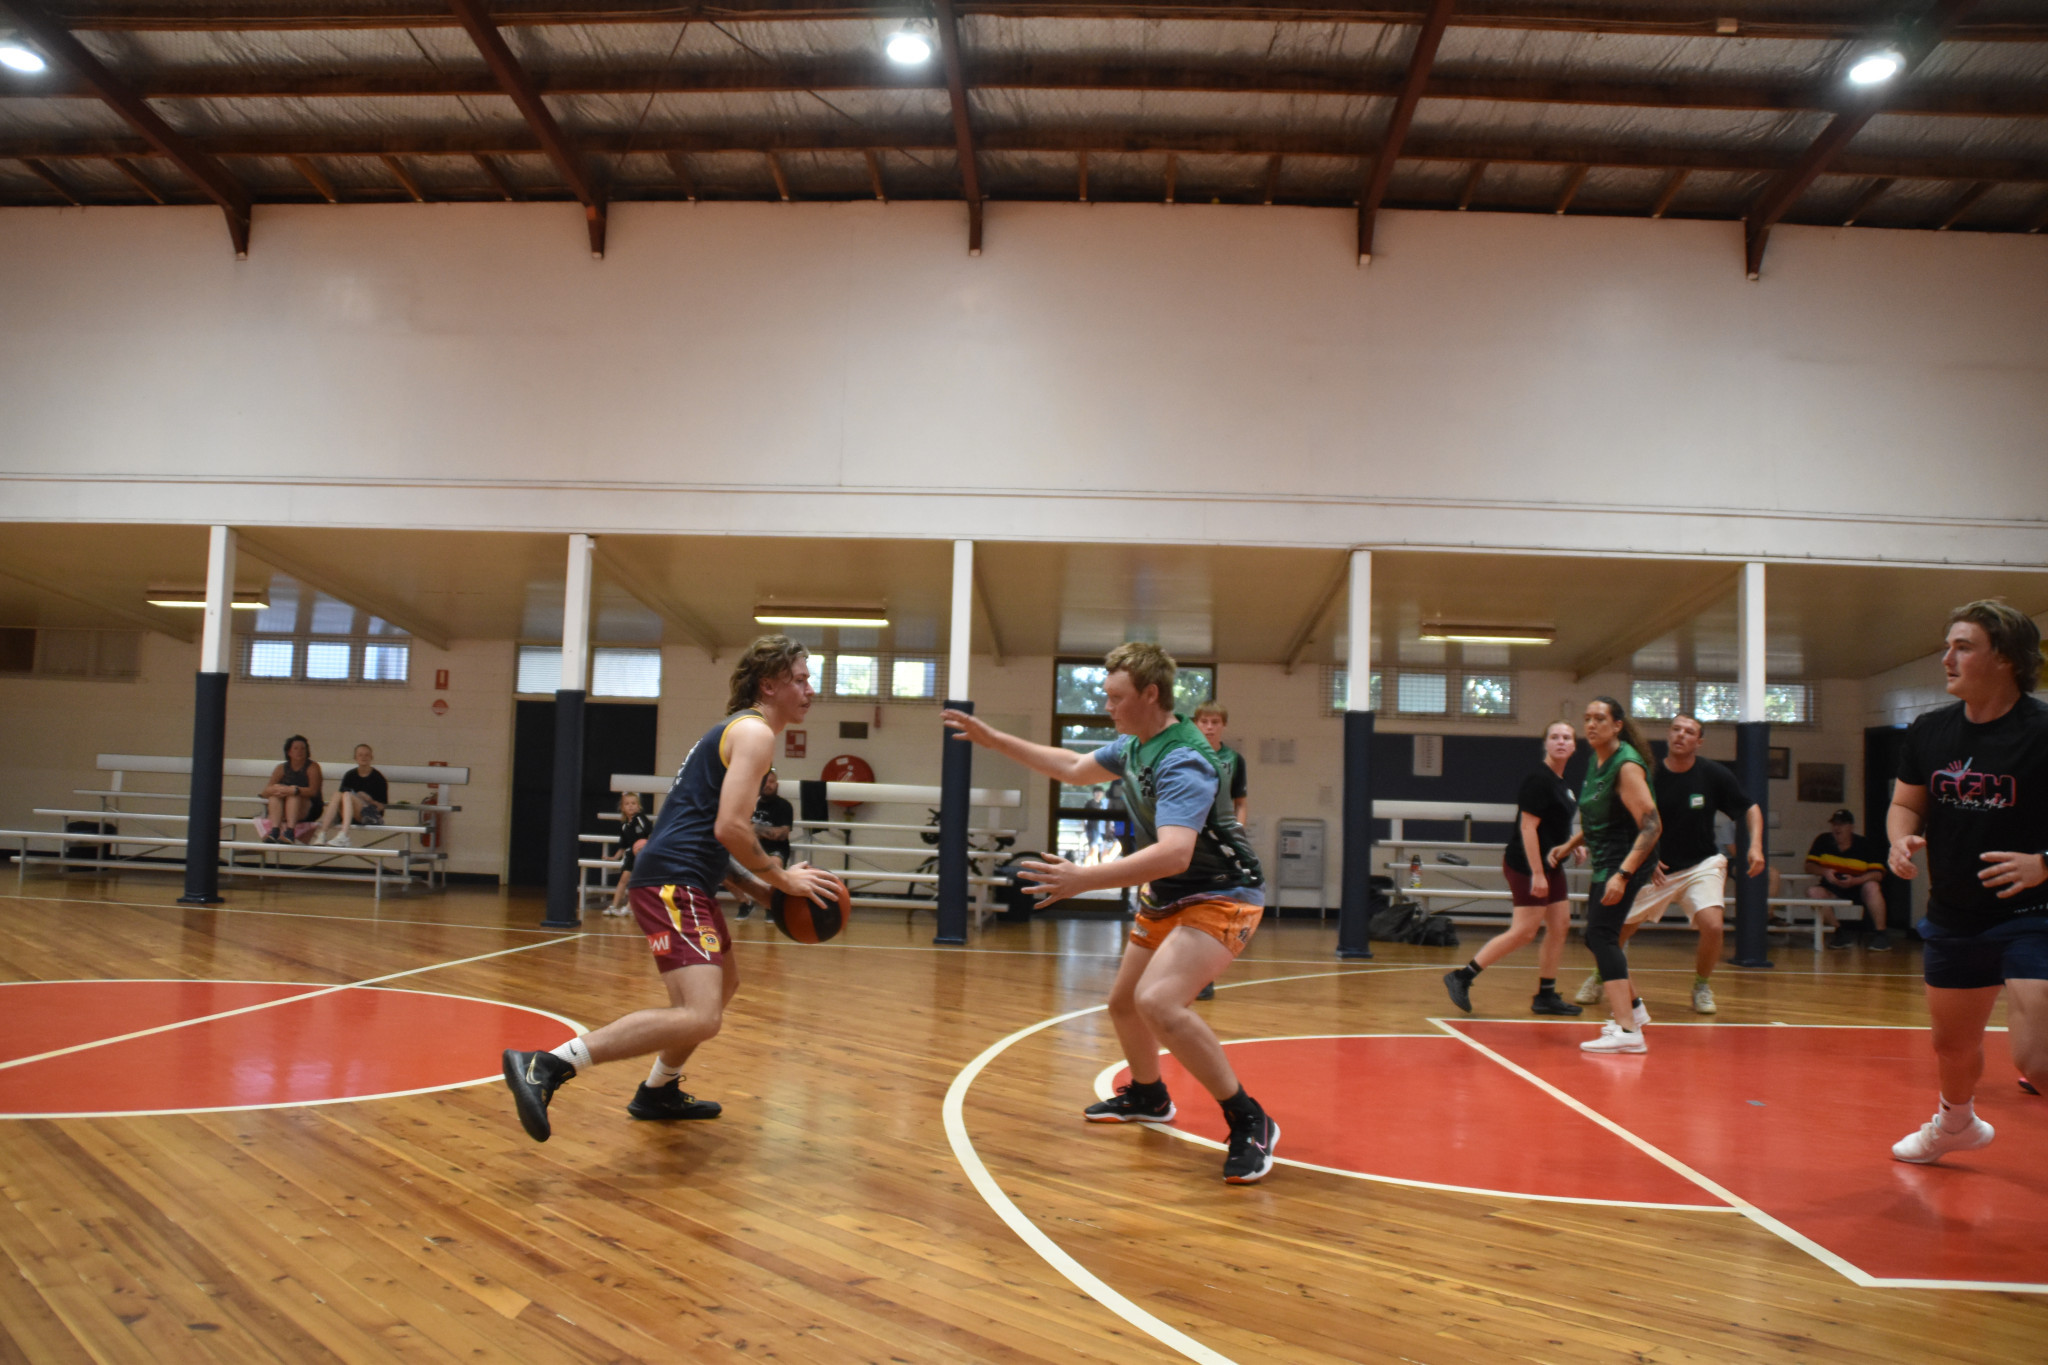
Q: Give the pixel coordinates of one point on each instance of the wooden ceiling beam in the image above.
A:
(1672, 186)
(344, 589)
(955, 67)
(1965, 201)
(1867, 198)
(1471, 189)
(680, 168)
(36, 167)
(497, 178)
(1305, 633)
(1626, 642)
(55, 39)
(1792, 20)
(513, 80)
(315, 177)
(1062, 141)
(2039, 221)
(1420, 59)
(775, 170)
(404, 177)
(2029, 100)
(1778, 197)
(875, 176)
(1572, 184)
(187, 631)
(135, 178)
(655, 598)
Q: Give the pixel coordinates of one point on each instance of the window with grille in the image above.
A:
(306, 636)
(1714, 702)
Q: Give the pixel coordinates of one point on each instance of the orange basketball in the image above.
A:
(809, 921)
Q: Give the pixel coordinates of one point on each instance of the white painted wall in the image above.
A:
(1501, 380)
(51, 731)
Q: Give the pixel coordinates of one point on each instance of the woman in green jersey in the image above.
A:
(1618, 824)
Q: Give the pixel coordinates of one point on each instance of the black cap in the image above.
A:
(1844, 816)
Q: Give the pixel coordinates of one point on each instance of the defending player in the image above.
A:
(705, 828)
(1969, 792)
(1201, 897)
(1691, 873)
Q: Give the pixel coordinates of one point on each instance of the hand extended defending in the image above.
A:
(967, 727)
(1051, 880)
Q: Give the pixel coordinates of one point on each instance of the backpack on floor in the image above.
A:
(1404, 921)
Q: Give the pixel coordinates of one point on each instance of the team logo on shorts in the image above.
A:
(708, 940)
(658, 942)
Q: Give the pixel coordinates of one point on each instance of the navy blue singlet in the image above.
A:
(684, 849)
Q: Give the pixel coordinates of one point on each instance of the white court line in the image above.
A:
(269, 1004)
(563, 1019)
(1104, 1089)
(1847, 1269)
(1050, 1251)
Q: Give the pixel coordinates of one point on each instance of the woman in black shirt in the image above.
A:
(1530, 862)
(1970, 792)
(634, 827)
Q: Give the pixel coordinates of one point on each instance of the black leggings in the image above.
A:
(1604, 922)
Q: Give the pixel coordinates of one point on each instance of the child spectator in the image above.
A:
(634, 827)
(364, 795)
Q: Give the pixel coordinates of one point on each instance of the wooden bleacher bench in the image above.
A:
(396, 851)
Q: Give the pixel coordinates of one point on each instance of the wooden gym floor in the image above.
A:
(851, 1203)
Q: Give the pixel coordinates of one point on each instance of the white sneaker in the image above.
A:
(1703, 999)
(1933, 1141)
(1589, 990)
(616, 911)
(1614, 1038)
(340, 841)
(1642, 1013)
(321, 836)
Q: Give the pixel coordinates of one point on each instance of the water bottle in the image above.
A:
(1415, 870)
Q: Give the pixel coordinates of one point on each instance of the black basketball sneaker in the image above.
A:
(1253, 1139)
(1550, 1002)
(670, 1101)
(533, 1078)
(1133, 1104)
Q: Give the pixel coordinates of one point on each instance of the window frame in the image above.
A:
(1688, 698)
(366, 631)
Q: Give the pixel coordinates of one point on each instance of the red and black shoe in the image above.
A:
(1133, 1104)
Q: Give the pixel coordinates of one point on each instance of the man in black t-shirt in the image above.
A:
(1972, 792)
(1850, 867)
(1691, 872)
(1210, 719)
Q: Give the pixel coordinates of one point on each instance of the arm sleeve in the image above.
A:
(1237, 777)
(1534, 798)
(1111, 756)
(1187, 791)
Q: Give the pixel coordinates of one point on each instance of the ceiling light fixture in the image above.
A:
(194, 597)
(862, 616)
(17, 57)
(1876, 68)
(910, 45)
(1466, 633)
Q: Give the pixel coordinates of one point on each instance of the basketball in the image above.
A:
(809, 921)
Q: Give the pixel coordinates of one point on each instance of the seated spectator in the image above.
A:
(363, 796)
(634, 827)
(293, 794)
(1851, 868)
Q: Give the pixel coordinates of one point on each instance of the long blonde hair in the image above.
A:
(768, 658)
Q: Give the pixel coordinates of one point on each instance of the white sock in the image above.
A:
(1956, 1117)
(662, 1073)
(576, 1053)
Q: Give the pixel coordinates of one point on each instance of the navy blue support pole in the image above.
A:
(565, 817)
(956, 776)
(1354, 913)
(1752, 894)
(202, 826)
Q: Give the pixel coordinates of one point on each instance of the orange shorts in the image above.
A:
(1230, 923)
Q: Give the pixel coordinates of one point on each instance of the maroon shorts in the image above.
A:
(1518, 884)
(684, 926)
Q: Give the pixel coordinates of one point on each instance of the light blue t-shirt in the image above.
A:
(1186, 793)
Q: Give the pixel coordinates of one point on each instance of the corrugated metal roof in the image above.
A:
(1612, 119)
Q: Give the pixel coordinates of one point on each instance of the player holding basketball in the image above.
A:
(1201, 897)
(703, 839)
(1972, 791)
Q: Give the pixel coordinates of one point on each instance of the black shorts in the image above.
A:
(1851, 894)
(2014, 950)
(1616, 915)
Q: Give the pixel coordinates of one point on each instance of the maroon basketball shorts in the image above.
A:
(684, 926)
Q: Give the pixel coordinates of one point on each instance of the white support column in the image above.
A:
(576, 615)
(1750, 642)
(1358, 661)
(217, 640)
(961, 645)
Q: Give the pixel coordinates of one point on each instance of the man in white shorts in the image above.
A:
(1691, 873)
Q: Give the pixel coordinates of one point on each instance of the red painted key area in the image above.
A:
(353, 1043)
